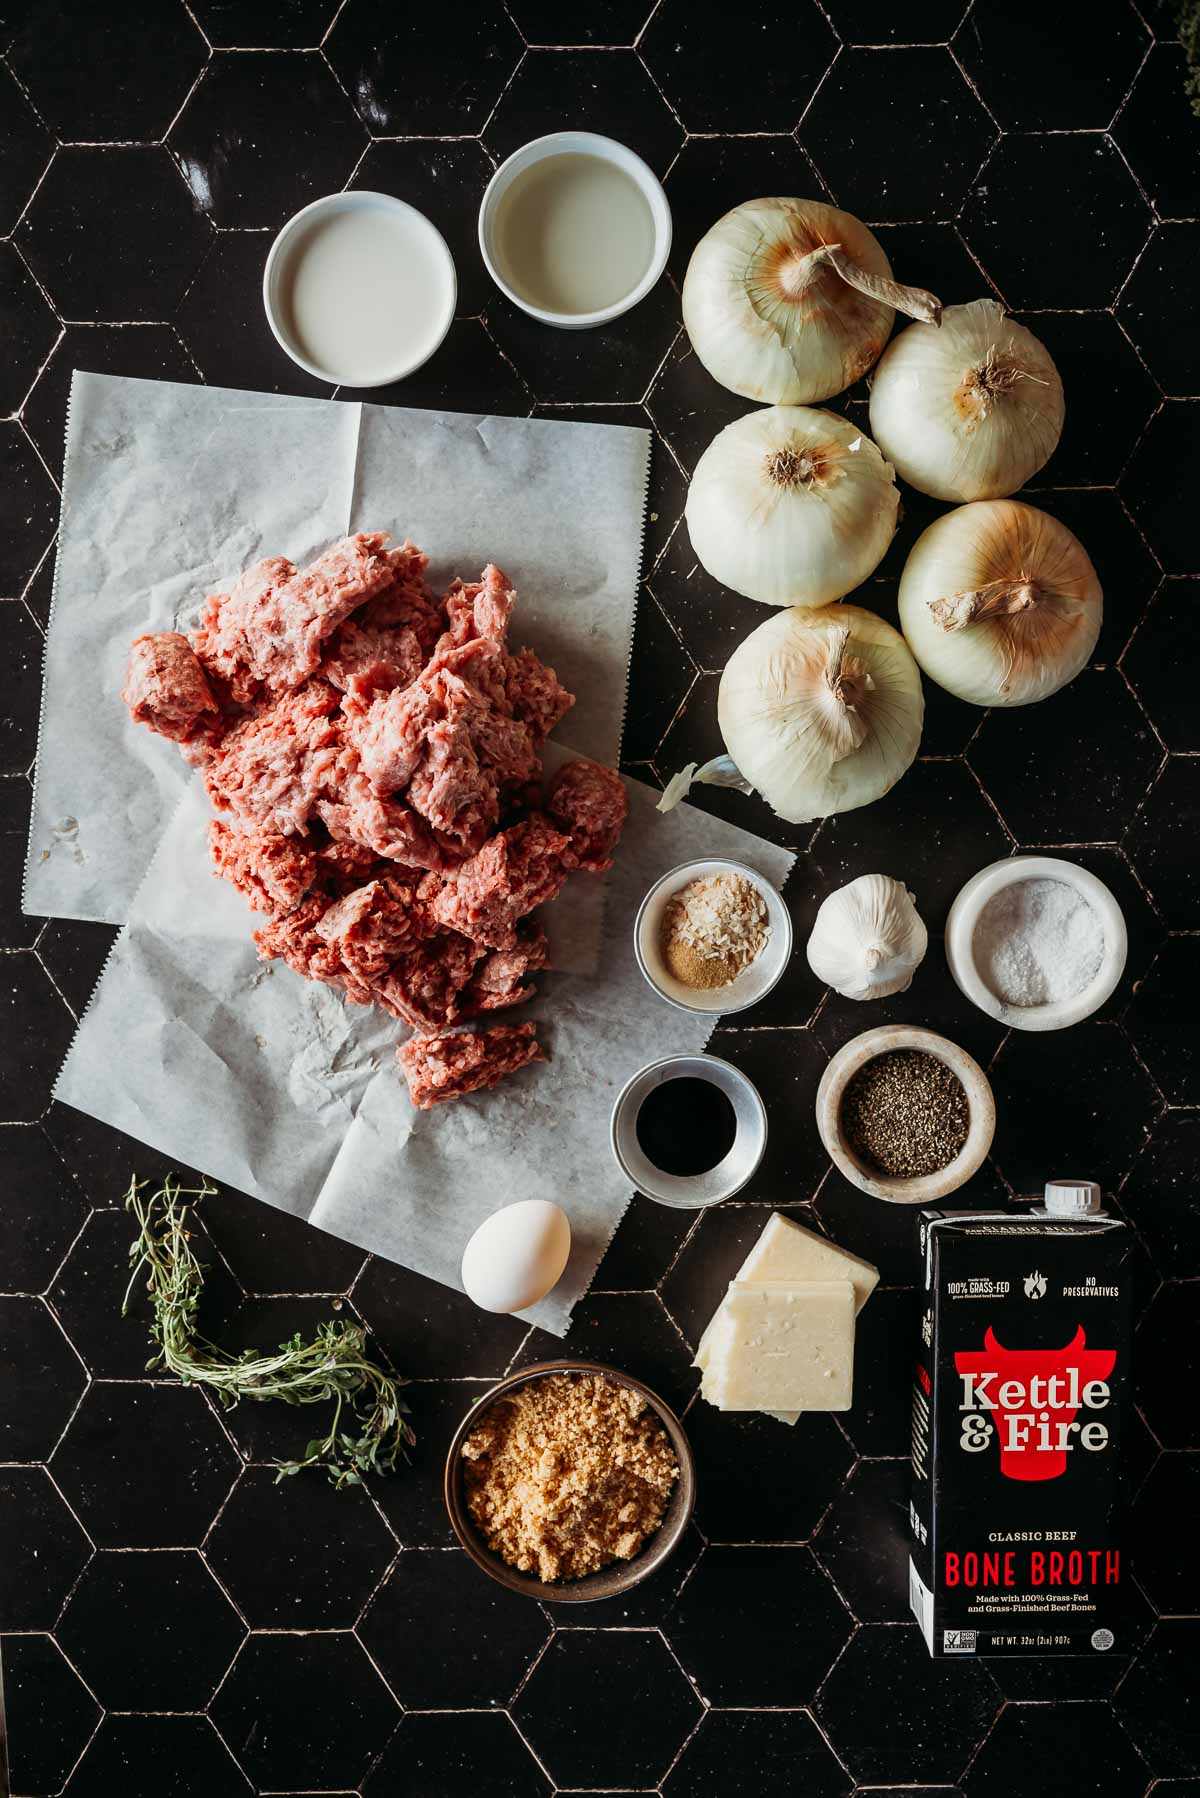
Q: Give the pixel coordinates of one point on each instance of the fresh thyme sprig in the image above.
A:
(333, 1366)
(1187, 17)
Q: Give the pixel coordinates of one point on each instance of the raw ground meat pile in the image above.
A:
(375, 755)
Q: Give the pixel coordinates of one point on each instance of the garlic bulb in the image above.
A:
(868, 939)
(791, 301)
(820, 710)
(969, 411)
(1000, 603)
(791, 506)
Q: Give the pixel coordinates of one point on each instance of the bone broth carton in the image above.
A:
(1021, 1391)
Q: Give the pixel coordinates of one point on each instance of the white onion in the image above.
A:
(791, 506)
(1000, 603)
(790, 301)
(971, 410)
(821, 712)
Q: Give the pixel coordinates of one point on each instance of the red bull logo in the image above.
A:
(1033, 1398)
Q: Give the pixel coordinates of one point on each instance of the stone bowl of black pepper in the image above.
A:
(905, 1114)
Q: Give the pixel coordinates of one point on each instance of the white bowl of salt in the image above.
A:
(1036, 942)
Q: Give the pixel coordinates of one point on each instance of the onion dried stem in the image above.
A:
(914, 302)
(995, 599)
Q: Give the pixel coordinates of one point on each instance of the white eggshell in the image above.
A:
(516, 1255)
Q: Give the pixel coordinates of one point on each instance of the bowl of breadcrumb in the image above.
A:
(570, 1482)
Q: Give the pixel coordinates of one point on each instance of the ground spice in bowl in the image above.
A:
(566, 1474)
(713, 928)
(905, 1114)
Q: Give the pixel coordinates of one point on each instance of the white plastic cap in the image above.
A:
(1072, 1198)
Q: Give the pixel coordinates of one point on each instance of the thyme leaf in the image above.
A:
(1187, 17)
(368, 1431)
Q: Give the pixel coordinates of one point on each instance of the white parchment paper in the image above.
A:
(273, 1084)
(169, 491)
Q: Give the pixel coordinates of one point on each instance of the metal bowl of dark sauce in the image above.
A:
(689, 1131)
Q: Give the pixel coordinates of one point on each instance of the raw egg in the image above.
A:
(516, 1255)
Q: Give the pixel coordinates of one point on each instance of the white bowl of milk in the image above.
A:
(575, 228)
(359, 289)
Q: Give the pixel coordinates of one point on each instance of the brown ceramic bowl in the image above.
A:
(621, 1576)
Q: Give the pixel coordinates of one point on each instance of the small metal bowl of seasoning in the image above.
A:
(1036, 942)
(689, 1131)
(905, 1114)
(733, 909)
(619, 1575)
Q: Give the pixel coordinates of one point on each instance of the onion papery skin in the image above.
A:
(1012, 659)
(806, 544)
(945, 427)
(765, 701)
(755, 339)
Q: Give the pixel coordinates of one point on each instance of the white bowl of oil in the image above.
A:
(575, 228)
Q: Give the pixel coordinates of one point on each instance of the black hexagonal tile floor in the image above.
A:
(113, 233)
(150, 1631)
(46, 1548)
(1160, 134)
(264, 133)
(711, 620)
(929, 133)
(27, 506)
(1036, 73)
(298, 1554)
(600, 1708)
(17, 931)
(37, 594)
(35, 1406)
(146, 1466)
(1162, 1197)
(615, 361)
(264, 24)
(1155, 306)
(468, 374)
(1159, 1700)
(933, 1000)
(878, 1421)
(630, 1330)
(396, 69)
(1031, 1744)
(1128, 572)
(30, 329)
(660, 668)
(225, 329)
(73, 953)
(875, 22)
(934, 829)
(557, 22)
(21, 648)
(413, 1499)
(1084, 1127)
(448, 1637)
(1166, 1338)
(786, 1067)
(781, 1626)
(609, 88)
(1104, 415)
(711, 175)
(92, 84)
(153, 352)
(429, 1327)
(887, 1235)
(647, 1241)
(1161, 842)
(645, 1605)
(25, 149)
(274, 1252)
(1161, 474)
(130, 1754)
(759, 1480)
(863, 1542)
(88, 1291)
(41, 1209)
(1078, 195)
(892, 1713)
(51, 1713)
(1163, 1558)
(688, 406)
(103, 1159)
(1018, 757)
(1160, 1029)
(1163, 661)
(445, 180)
(756, 1754)
(305, 1711)
(465, 1752)
(677, 47)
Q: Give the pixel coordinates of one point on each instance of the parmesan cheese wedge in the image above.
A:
(784, 1347)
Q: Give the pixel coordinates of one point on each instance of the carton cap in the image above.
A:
(1072, 1198)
